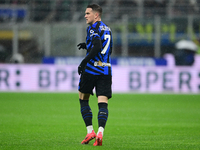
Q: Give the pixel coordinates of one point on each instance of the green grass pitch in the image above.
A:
(52, 121)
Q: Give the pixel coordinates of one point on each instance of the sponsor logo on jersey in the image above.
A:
(105, 28)
(92, 33)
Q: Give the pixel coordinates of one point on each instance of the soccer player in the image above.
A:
(96, 72)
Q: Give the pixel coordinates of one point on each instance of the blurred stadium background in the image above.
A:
(144, 31)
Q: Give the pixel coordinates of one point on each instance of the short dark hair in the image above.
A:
(96, 7)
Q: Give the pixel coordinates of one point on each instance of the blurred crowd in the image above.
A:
(14, 2)
(73, 10)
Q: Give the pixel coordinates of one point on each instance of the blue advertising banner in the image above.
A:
(17, 12)
(119, 61)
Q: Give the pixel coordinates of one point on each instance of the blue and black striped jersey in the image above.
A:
(100, 64)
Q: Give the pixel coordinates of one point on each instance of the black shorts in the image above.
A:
(101, 83)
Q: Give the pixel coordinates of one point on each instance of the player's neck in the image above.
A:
(96, 21)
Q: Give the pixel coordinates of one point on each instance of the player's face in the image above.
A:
(90, 16)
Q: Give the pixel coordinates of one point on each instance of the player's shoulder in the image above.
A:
(92, 28)
(104, 27)
(92, 31)
(96, 24)
(88, 29)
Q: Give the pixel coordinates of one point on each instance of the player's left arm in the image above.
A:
(97, 46)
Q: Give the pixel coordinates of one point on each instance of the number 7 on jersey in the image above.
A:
(107, 36)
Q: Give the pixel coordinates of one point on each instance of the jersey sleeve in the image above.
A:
(93, 34)
(94, 51)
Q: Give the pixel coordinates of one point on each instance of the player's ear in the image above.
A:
(96, 14)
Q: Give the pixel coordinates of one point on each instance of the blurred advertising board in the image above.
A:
(120, 61)
(64, 78)
(10, 12)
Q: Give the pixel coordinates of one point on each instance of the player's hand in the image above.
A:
(81, 45)
(81, 69)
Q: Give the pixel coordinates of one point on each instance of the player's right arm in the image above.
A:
(97, 46)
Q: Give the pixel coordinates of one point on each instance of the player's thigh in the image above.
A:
(103, 86)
